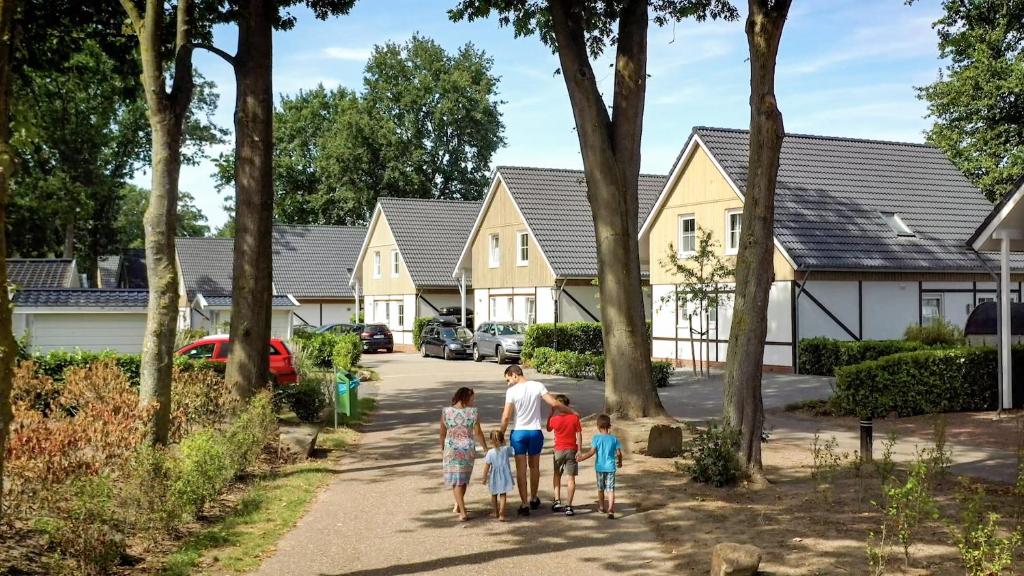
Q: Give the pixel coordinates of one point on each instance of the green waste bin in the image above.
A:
(347, 394)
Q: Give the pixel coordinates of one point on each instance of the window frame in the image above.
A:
(730, 248)
(531, 310)
(376, 264)
(938, 296)
(395, 261)
(522, 235)
(493, 250)
(680, 252)
(401, 315)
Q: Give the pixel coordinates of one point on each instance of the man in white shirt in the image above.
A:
(523, 401)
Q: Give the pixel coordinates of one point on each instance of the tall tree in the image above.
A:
(168, 111)
(610, 144)
(135, 200)
(744, 408)
(978, 100)
(8, 347)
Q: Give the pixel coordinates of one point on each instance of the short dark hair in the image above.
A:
(514, 370)
(604, 422)
(562, 398)
(462, 395)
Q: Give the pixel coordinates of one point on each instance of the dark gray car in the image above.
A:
(502, 340)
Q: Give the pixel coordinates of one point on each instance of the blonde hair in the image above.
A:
(497, 438)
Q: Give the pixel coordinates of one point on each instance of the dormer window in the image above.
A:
(897, 224)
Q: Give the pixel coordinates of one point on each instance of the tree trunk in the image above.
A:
(167, 112)
(69, 238)
(8, 346)
(611, 162)
(744, 408)
(252, 287)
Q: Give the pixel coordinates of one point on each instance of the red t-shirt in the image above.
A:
(565, 427)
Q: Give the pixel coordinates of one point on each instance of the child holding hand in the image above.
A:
(498, 474)
(608, 450)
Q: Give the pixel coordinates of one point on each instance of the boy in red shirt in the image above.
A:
(568, 439)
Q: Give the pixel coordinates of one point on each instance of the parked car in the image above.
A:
(218, 348)
(375, 337)
(336, 328)
(445, 341)
(502, 340)
(455, 312)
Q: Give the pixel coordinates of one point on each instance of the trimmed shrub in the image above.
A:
(822, 356)
(250, 432)
(569, 363)
(55, 364)
(579, 337)
(87, 529)
(347, 351)
(661, 372)
(939, 332)
(306, 399)
(922, 382)
(417, 329)
(712, 452)
(318, 348)
(199, 398)
(202, 469)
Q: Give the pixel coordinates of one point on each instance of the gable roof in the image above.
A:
(831, 194)
(428, 234)
(554, 205)
(206, 265)
(81, 298)
(28, 273)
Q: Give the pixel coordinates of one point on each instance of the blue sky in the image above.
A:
(846, 68)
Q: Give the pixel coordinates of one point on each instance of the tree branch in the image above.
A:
(183, 83)
(133, 14)
(214, 50)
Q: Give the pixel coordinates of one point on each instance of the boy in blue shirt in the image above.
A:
(609, 459)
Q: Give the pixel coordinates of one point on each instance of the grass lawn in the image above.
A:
(269, 507)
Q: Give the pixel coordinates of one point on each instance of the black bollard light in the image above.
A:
(867, 441)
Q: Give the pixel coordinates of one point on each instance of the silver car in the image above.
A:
(502, 340)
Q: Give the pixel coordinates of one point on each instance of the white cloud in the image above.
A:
(897, 40)
(347, 54)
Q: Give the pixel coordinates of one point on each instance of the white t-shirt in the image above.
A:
(526, 396)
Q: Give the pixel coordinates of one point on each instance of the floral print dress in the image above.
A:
(459, 445)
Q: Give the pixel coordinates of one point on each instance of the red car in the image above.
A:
(217, 349)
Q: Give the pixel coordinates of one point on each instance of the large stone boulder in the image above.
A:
(299, 440)
(730, 559)
(665, 441)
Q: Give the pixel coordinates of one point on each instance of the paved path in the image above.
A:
(387, 513)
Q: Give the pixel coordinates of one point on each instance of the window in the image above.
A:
(531, 310)
(494, 308)
(983, 299)
(931, 308)
(733, 227)
(201, 351)
(401, 315)
(687, 241)
(376, 264)
(493, 251)
(522, 248)
(896, 223)
(394, 263)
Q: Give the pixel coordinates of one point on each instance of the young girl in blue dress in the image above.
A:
(498, 473)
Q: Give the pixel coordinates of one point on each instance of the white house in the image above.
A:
(80, 318)
(531, 252)
(870, 237)
(404, 266)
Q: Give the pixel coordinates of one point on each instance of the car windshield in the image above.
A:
(508, 329)
(452, 333)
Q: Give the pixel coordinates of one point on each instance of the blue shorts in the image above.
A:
(527, 442)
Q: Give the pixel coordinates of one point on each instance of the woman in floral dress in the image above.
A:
(459, 424)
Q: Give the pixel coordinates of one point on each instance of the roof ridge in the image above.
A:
(449, 200)
(822, 137)
(80, 289)
(577, 170)
(345, 226)
(40, 259)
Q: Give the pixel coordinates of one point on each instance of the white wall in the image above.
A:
(889, 307)
(320, 313)
(840, 298)
(117, 331)
(280, 322)
(569, 311)
(397, 311)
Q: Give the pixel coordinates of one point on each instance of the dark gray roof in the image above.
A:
(555, 206)
(277, 301)
(309, 262)
(109, 268)
(41, 272)
(430, 235)
(831, 193)
(313, 261)
(82, 298)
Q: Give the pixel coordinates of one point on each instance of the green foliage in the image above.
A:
(939, 332)
(822, 356)
(131, 234)
(661, 373)
(979, 122)
(580, 337)
(417, 329)
(306, 399)
(985, 548)
(347, 351)
(425, 124)
(89, 529)
(924, 382)
(908, 505)
(712, 451)
(568, 363)
(317, 348)
(201, 470)
(249, 432)
(827, 460)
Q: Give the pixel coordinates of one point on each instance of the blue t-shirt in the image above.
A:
(606, 446)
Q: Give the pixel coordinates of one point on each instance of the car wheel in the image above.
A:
(389, 350)
(447, 353)
(477, 356)
(423, 349)
(500, 353)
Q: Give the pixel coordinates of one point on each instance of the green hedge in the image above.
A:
(822, 356)
(588, 366)
(55, 364)
(921, 382)
(417, 329)
(347, 351)
(318, 347)
(579, 337)
(661, 372)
